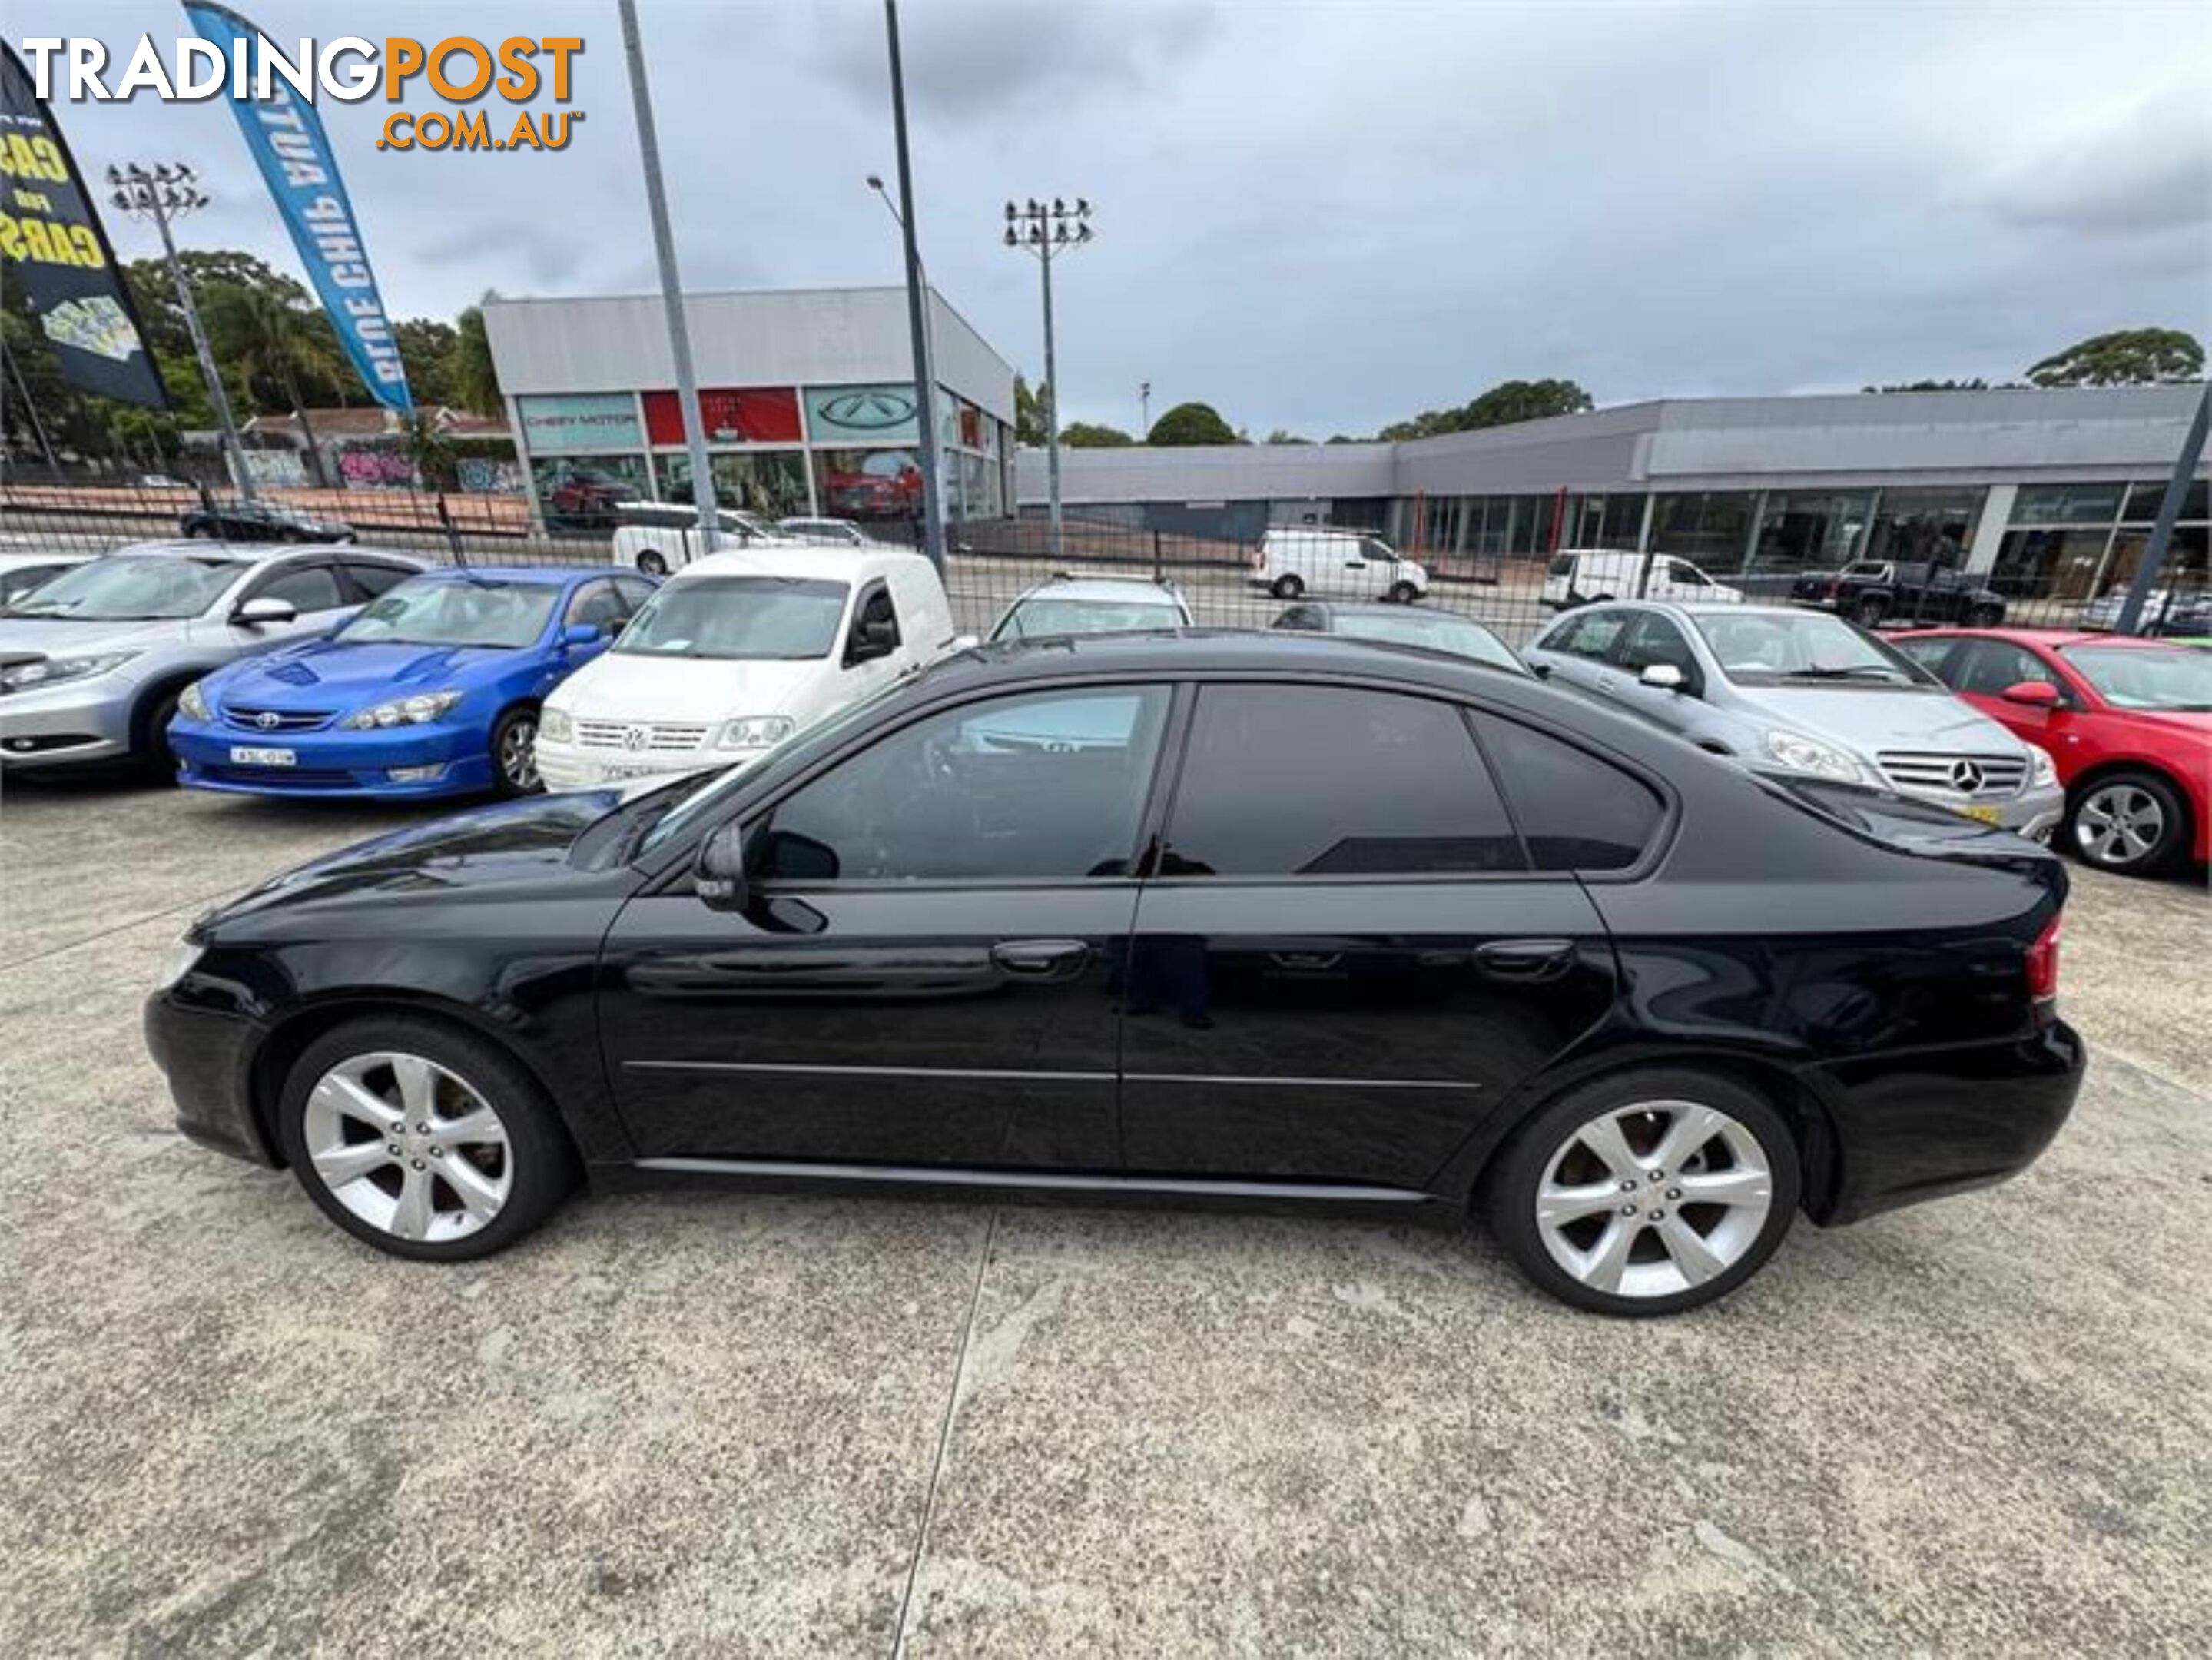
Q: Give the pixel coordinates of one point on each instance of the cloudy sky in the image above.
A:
(1325, 215)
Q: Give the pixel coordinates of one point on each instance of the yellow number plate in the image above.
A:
(1986, 815)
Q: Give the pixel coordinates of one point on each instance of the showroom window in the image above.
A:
(771, 483)
(1811, 530)
(1713, 527)
(581, 490)
(1323, 780)
(1924, 526)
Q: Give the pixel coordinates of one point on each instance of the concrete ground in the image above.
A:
(736, 1425)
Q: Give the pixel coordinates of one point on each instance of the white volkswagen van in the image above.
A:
(1578, 576)
(1294, 560)
(734, 654)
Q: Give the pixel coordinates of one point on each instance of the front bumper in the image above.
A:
(76, 723)
(207, 1055)
(1918, 1126)
(2033, 813)
(571, 767)
(334, 761)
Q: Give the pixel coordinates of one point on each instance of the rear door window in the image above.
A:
(1576, 812)
(1324, 781)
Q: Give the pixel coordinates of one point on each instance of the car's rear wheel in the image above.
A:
(1287, 588)
(155, 762)
(514, 752)
(1403, 593)
(1648, 1192)
(652, 565)
(422, 1140)
(1868, 609)
(2132, 823)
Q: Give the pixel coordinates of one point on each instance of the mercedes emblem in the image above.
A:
(1966, 777)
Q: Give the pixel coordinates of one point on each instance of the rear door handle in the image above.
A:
(1526, 959)
(1042, 959)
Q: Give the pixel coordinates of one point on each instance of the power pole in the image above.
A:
(1046, 232)
(932, 503)
(164, 193)
(2169, 509)
(917, 308)
(672, 286)
(1144, 411)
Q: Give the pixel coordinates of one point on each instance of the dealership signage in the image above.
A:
(738, 415)
(581, 423)
(861, 415)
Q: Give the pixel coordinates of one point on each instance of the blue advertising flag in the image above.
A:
(293, 153)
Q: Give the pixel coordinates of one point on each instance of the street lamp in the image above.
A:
(1048, 232)
(165, 194)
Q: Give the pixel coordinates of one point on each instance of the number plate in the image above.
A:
(243, 755)
(1986, 815)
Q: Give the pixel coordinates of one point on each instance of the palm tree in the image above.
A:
(274, 345)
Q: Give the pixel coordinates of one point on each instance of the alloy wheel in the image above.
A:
(2119, 824)
(1654, 1198)
(409, 1146)
(518, 753)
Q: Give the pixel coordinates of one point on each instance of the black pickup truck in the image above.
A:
(1877, 591)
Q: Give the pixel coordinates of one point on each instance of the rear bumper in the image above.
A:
(1919, 1126)
(207, 1055)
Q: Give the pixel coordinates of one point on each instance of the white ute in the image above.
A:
(737, 652)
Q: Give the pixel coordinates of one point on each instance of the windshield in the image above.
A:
(450, 611)
(698, 802)
(132, 588)
(1775, 648)
(1455, 635)
(783, 617)
(2146, 677)
(1035, 619)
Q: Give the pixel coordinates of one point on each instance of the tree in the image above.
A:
(431, 454)
(1976, 385)
(2125, 357)
(276, 346)
(1508, 402)
(476, 376)
(1032, 412)
(427, 348)
(1344, 438)
(1191, 423)
(1090, 435)
(1281, 436)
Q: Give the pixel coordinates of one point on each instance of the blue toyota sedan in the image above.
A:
(432, 689)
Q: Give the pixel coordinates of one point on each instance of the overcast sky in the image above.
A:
(1325, 215)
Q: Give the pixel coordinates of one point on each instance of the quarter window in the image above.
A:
(1577, 813)
(374, 579)
(1048, 786)
(1324, 781)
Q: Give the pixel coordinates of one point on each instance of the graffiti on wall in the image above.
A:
(481, 476)
(376, 468)
(276, 467)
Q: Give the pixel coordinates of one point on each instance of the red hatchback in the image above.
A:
(2128, 720)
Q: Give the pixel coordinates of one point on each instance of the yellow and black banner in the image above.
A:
(52, 244)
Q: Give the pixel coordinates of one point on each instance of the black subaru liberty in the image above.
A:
(1259, 919)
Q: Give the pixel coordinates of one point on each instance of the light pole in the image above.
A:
(928, 321)
(1047, 231)
(1144, 411)
(163, 194)
(672, 285)
(917, 309)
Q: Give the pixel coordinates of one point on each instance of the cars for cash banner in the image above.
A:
(51, 243)
(287, 139)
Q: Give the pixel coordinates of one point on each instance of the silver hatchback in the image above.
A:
(91, 663)
(1791, 690)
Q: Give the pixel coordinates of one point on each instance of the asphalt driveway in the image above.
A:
(733, 1423)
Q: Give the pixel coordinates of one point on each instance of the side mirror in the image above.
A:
(2034, 694)
(871, 641)
(718, 874)
(580, 634)
(257, 613)
(1541, 671)
(1665, 676)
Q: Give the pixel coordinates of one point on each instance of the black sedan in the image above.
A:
(261, 521)
(1234, 918)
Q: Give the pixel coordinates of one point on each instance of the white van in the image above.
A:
(1578, 576)
(657, 537)
(1341, 563)
(737, 652)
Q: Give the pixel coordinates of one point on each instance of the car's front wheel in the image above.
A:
(1868, 609)
(422, 1139)
(2132, 823)
(1648, 1192)
(1403, 593)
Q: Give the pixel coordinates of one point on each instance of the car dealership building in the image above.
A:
(2049, 492)
(807, 396)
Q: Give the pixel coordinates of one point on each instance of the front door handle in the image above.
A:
(1526, 959)
(1042, 959)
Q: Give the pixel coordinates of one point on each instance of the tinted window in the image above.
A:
(1050, 785)
(1320, 781)
(314, 587)
(373, 580)
(1577, 813)
(1989, 666)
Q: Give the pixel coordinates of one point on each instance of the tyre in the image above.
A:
(2132, 823)
(422, 1140)
(1402, 593)
(514, 752)
(650, 563)
(1868, 609)
(153, 758)
(1287, 588)
(1649, 1193)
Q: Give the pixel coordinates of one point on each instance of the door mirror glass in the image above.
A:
(260, 612)
(783, 856)
(1664, 676)
(2034, 694)
(718, 874)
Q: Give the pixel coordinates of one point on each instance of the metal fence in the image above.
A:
(992, 563)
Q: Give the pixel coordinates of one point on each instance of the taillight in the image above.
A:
(2043, 963)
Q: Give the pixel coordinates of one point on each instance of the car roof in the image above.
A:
(550, 575)
(1111, 589)
(828, 563)
(236, 553)
(2055, 639)
(1378, 608)
(1168, 652)
(17, 558)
